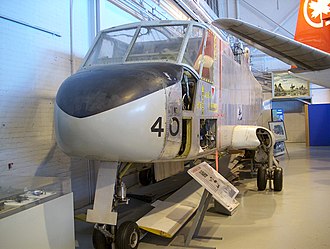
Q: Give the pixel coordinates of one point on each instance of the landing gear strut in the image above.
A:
(269, 169)
(110, 193)
(102, 237)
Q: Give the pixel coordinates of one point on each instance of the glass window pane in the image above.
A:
(111, 47)
(208, 63)
(193, 53)
(158, 43)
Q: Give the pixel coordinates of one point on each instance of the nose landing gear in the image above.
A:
(110, 193)
(108, 237)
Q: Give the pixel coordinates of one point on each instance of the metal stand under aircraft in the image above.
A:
(197, 222)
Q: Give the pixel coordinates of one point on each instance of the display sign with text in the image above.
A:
(220, 188)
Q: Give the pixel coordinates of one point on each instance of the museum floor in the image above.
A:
(298, 217)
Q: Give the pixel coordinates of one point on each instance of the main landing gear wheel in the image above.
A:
(100, 241)
(146, 177)
(278, 179)
(128, 236)
(261, 178)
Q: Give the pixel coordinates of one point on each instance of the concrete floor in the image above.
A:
(297, 217)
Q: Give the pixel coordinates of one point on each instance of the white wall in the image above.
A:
(33, 65)
(319, 94)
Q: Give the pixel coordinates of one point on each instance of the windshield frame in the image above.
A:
(155, 27)
(138, 26)
(98, 40)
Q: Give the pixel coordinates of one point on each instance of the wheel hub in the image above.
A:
(134, 239)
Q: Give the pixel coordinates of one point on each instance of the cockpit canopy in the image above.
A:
(178, 42)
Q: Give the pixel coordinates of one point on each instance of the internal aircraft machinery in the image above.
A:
(155, 93)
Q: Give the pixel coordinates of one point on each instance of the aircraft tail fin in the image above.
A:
(313, 25)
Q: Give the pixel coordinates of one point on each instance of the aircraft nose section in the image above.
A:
(115, 113)
(98, 89)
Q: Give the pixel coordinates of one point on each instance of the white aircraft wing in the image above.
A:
(292, 52)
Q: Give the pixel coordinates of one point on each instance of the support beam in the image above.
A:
(293, 12)
(97, 16)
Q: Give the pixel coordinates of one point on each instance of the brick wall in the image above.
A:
(33, 65)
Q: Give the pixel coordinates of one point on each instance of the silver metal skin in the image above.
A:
(150, 128)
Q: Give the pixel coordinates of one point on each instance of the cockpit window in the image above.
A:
(158, 43)
(150, 43)
(194, 49)
(111, 47)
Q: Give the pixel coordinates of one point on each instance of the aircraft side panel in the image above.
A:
(227, 94)
(173, 130)
(206, 109)
(207, 100)
(241, 95)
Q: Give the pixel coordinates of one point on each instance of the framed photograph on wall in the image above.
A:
(277, 114)
(278, 128)
(287, 86)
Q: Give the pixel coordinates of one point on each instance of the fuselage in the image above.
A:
(155, 91)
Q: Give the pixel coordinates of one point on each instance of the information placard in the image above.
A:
(220, 188)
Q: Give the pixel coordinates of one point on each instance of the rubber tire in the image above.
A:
(278, 179)
(128, 236)
(100, 241)
(261, 179)
(145, 177)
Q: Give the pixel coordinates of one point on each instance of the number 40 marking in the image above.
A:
(157, 127)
